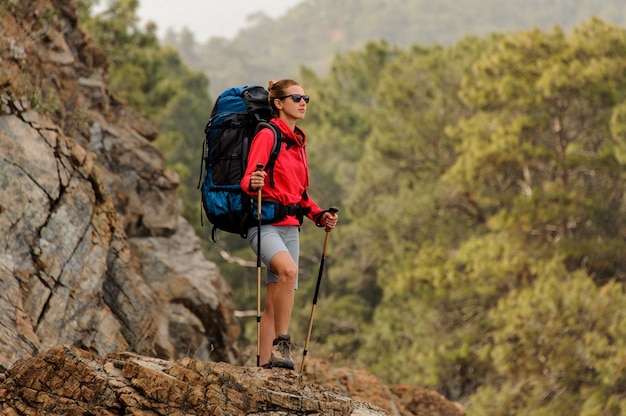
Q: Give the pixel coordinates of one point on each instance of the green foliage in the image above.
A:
(544, 151)
(559, 345)
(479, 192)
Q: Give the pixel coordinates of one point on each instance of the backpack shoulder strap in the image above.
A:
(278, 142)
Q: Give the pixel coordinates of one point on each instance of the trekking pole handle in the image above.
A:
(259, 167)
(333, 210)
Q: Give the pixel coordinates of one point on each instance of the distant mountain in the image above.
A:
(312, 33)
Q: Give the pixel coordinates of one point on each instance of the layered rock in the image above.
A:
(93, 250)
(69, 381)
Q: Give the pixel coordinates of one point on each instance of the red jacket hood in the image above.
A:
(297, 135)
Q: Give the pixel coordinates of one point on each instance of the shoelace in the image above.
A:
(284, 347)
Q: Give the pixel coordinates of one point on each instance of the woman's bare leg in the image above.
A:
(268, 333)
(279, 301)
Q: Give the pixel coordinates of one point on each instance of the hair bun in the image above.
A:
(271, 84)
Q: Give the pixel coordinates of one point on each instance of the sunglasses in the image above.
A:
(296, 98)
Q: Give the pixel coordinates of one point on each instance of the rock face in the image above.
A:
(93, 250)
(108, 304)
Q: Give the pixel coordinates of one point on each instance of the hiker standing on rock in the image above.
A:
(287, 183)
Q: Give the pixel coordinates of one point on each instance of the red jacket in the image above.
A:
(291, 169)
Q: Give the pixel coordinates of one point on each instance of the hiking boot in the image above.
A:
(281, 352)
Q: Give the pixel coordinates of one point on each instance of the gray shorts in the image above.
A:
(273, 241)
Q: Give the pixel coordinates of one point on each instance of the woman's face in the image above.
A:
(288, 106)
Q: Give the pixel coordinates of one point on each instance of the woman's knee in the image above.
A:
(289, 275)
(285, 268)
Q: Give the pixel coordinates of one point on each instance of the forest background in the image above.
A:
(477, 151)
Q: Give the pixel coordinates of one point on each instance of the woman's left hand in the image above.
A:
(329, 220)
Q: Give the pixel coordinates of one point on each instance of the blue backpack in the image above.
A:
(239, 113)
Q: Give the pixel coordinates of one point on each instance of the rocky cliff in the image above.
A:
(93, 250)
(108, 304)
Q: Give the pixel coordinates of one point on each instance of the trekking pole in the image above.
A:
(259, 167)
(333, 210)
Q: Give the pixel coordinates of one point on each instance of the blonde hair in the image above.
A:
(278, 89)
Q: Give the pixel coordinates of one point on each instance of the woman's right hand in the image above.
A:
(257, 180)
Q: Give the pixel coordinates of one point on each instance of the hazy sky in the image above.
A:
(208, 18)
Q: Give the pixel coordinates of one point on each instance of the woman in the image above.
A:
(280, 244)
